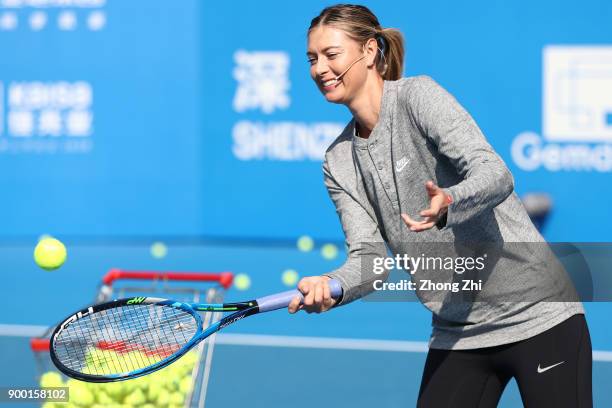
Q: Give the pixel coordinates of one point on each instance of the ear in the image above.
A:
(371, 50)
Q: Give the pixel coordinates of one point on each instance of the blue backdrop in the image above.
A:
(123, 119)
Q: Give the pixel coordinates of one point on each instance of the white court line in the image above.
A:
(22, 330)
(344, 344)
(602, 355)
(321, 343)
(263, 340)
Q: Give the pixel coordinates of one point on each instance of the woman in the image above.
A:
(412, 168)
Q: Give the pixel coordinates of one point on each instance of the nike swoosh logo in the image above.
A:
(541, 370)
(399, 166)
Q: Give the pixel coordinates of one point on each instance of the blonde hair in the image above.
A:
(361, 24)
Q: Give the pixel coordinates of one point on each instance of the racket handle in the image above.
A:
(281, 300)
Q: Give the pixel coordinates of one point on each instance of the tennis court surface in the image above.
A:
(365, 354)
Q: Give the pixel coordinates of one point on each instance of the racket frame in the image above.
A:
(241, 310)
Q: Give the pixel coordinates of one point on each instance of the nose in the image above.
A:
(321, 67)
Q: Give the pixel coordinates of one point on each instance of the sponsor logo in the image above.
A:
(76, 317)
(232, 320)
(576, 113)
(136, 300)
(46, 117)
(543, 369)
(401, 163)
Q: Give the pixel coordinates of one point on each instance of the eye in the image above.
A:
(312, 60)
(332, 56)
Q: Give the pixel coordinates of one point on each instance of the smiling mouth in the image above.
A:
(331, 84)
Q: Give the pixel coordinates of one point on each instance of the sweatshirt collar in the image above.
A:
(384, 121)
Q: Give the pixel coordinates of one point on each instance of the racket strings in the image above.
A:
(124, 339)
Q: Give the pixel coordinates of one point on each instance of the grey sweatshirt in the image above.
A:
(423, 134)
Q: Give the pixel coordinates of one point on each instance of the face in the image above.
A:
(330, 52)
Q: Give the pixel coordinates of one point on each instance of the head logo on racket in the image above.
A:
(77, 316)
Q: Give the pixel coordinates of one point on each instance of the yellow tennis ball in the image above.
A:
(114, 390)
(305, 243)
(103, 398)
(329, 251)
(79, 393)
(163, 398)
(186, 385)
(154, 390)
(290, 277)
(51, 379)
(176, 398)
(242, 281)
(159, 250)
(49, 254)
(136, 397)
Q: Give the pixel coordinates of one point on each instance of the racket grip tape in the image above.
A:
(281, 300)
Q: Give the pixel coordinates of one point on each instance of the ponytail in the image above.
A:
(391, 65)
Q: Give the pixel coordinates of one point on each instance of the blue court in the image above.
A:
(361, 355)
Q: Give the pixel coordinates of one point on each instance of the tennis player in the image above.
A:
(412, 166)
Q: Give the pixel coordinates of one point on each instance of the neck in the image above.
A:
(365, 106)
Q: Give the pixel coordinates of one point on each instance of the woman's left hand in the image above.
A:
(437, 208)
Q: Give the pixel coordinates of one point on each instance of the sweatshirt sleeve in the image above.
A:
(486, 180)
(363, 240)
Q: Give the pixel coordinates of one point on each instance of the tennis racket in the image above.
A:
(131, 337)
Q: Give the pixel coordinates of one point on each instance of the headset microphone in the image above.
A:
(349, 67)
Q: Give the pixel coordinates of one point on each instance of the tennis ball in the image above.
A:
(185, 385)
(141, 382)
(51, 379)
(103, 398)
(190, 358)
(128, 388)
(115, 391)
(177, 398)
(79, 394)
(242, 281)
(290, 277)
(49, 254)
(163, 398)
(184, 369)
(94, 392)
(137, 397)
(305, 243)
(159, 250)
(153, 391)
(329, 251)
(172, 383)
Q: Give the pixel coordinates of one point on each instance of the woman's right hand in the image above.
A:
(317, 297)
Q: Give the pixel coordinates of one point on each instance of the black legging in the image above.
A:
(552, 369)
